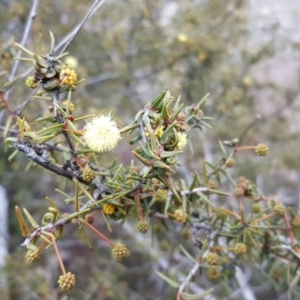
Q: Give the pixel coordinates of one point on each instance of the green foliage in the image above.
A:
(228, 224)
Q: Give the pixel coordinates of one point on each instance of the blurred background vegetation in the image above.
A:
(245, 54)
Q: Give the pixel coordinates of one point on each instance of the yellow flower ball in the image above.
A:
(261, 149)
(182, 140)
(67, 76)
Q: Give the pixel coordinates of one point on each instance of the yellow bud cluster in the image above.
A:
(279, 209)
(67, 281)
(256, 208)
(211, 184)
(240, 248)
(109, 209)
(67, 76)
(178, 215)
(261, 150)
(200, 113)
(182, 140)
(120, 251)
(212, 258)
(146, 132)
(143, 226)
(71, 106)
(213, 274)
(221, 212)
(159, 131)
(230, 163)
(88, 175)
(33, 256)
(31, 82)
(161, 195)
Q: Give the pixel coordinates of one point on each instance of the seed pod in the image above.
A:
(51, 84)
(40, 62)
(48, 73)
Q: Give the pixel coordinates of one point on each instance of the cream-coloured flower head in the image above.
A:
(182, 140)
(101, 133)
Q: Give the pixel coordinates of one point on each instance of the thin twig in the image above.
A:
(138, 205)
(58, 255)
(65, 43)
(60, 222)
(99, 233)
(94, 7)
(30, 20)
(39, 155)
(196, 190)
(196, 267)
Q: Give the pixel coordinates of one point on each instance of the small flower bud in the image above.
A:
(161, 195)
(33, 256)
(67, 281)
(221, 212)
(256, 208)
(143, 226)
(239, 192)
(67, 76)
(229, 163)
(109, 209)
(212, 258)
(279, 209)
(159, 131)
(88, 175)
(261, 150)
(200, 113)
(147, 134)
(213, 274)
(182, 140)
(240, 248)
(211, 184)
(31, 82)
(178, 214)
(120, 251)
(71, 106)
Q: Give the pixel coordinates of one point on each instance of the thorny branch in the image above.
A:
(65, 43)
(196, 266)
(60, 222)
(30, 20)
(39, 155)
